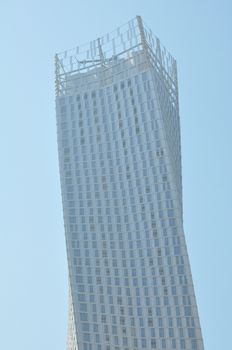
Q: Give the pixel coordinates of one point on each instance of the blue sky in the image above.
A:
(33, 271)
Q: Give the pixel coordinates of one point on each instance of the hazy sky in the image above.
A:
(33, 269)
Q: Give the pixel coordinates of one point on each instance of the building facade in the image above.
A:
(120, 167)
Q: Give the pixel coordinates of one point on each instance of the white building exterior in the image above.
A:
(120, 166)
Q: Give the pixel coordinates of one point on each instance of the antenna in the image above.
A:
(101, 55)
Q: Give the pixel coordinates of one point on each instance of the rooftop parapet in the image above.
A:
(131, 40)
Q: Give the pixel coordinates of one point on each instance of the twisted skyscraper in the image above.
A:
(120, 167)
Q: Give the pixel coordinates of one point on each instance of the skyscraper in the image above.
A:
(120, 167)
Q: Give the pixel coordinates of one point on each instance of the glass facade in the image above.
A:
(120, 167)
